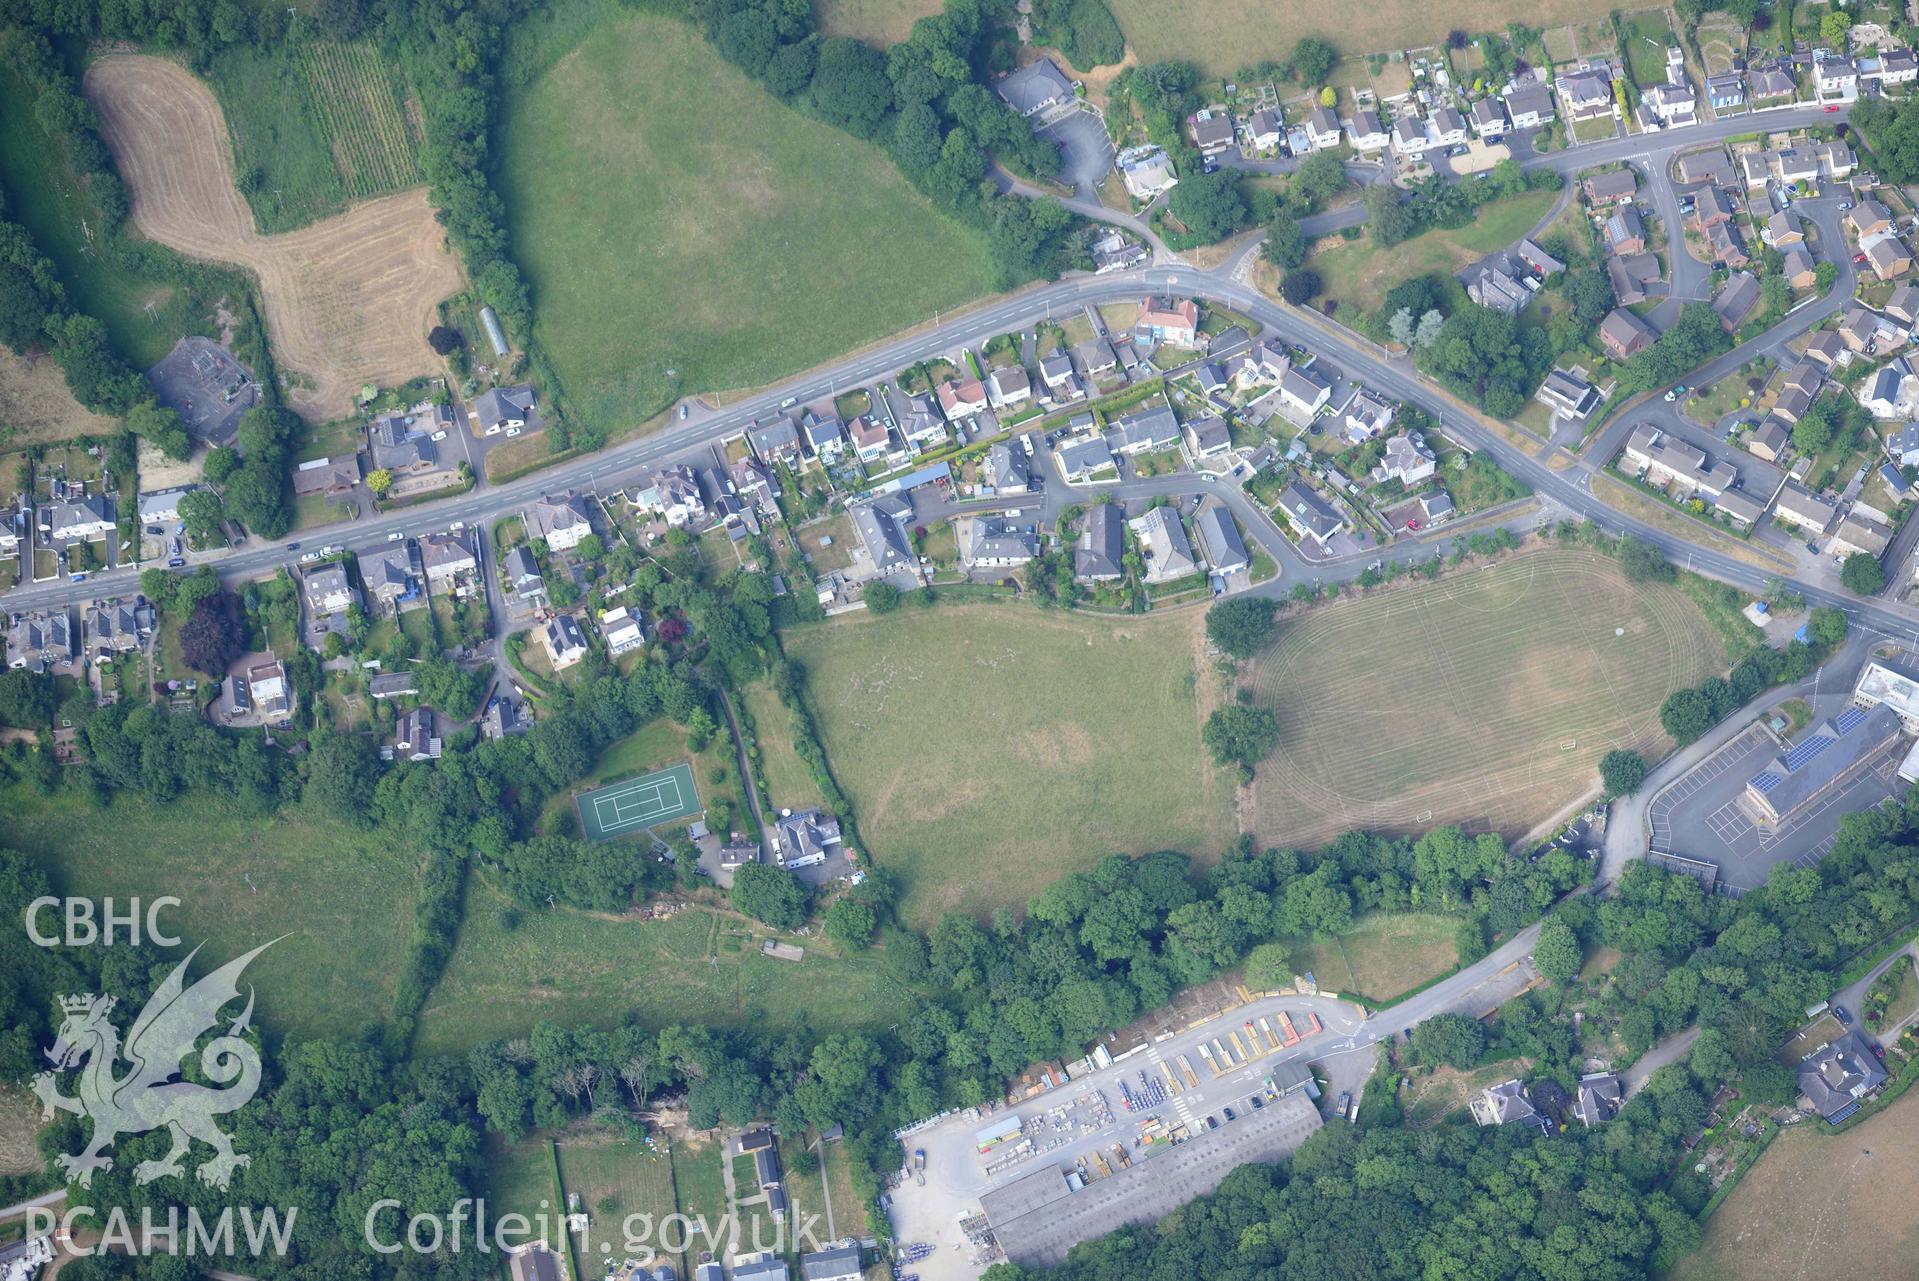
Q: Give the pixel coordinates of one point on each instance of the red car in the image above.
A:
(1858, 260)
(1412, 524)
(1834, 107)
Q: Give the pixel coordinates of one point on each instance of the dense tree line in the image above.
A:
(1688, 713)
(1084, 30)
(1459, 1202)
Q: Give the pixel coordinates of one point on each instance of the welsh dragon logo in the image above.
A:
(147, 1097)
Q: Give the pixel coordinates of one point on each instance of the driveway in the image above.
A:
(1085, 151)
(1854, 996)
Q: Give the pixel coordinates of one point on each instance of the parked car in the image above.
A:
(395, 536)
(1831, 108)
(440, 435)
(1843, 1015)
(682, 413)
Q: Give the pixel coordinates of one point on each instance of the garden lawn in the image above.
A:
(699, 966)
(342, 898)
(701, 1188)
(989, 749)
(145, 313)
(716, 234)
(519, 1180)
(1360, 274)
(1383, 956)
(617, 1179)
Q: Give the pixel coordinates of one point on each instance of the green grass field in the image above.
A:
(878, 22)
(315, 126)
(787, 777)
(1360, 274)
(1226, 36)
(145, 314)
(343, 898)
(1383, 955)
(662, 230)
(1505, 687)
(576, 968)
(987, 750)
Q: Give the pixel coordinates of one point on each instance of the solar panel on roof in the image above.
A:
(1799, 755)
(1763, 783)
(1850, 718)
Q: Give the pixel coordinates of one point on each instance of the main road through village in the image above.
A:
(1567, 489)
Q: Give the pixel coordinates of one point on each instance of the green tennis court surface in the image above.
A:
(648, 801)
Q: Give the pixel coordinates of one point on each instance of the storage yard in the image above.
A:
(1125, 1143)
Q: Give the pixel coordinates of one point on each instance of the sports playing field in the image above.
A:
(990, 749)
(1485, 698)
(621, 809)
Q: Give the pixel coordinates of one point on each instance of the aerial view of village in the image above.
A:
(957, 640)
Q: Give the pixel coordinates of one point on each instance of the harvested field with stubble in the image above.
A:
(987, 750)
(346, 301)
(36, 407)
(1819, 1205)
(1485, 698)
(1223, 36)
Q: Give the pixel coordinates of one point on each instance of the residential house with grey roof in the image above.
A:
(776, 438)
(1083, 460)
(999, 542)
(42, 641)
(523, 572)
(445, 557)
(562, 520)
(506, 409)
(803, 838)
(563, 640)
(1006, 468)
(1219, 539)
(1310, 515)
(883, 526)
(1147, 430)
(112, 629)
(1507, 1103)
(1167, 551)
(1598, 1099)
(1035, 88)
(1839, 1076)
(1100, 554)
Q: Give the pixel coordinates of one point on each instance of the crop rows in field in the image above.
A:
(363, 114)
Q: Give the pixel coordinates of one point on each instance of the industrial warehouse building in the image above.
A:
(1038, 1217)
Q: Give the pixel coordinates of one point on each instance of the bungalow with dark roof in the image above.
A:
(1100, 554)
